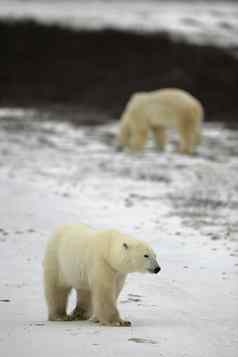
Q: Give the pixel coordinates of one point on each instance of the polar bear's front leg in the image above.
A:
(124, 134)
(138, 139)
(160, 136)
(188, 136)
(120, 281)
(104, 307)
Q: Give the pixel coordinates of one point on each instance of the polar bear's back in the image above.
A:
(163, 107)
(73, 238)
(175, 98)
(173, 104)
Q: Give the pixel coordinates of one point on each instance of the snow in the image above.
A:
(201, 22)
(185, 207)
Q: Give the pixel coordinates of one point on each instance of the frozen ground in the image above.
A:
(214, 22)
(52, 173)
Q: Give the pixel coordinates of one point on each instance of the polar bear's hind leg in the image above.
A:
(57, 303)
(56, 295)
(83, 309)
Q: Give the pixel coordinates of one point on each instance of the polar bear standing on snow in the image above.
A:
(158, 111)
(96, 264)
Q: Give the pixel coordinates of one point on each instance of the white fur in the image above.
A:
(95, 263)
(158, 111)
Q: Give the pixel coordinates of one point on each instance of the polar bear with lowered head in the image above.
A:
(157, 111)
(95, 263)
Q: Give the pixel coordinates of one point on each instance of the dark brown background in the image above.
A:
(51, 66)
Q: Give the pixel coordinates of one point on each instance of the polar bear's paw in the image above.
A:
(78, 314)
(120, 322)
(59, 318)
(124, 323)
(94, 319)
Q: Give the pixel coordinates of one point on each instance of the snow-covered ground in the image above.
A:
(201, 21)
(186, 207)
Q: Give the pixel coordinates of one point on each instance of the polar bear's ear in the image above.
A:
(125, 245)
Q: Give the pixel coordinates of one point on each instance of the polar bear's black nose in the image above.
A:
(157, 269)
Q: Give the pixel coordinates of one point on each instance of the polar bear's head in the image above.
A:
(139, 257)
(130, 255)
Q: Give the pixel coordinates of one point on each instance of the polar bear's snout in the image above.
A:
(157, 269)
(154, 267)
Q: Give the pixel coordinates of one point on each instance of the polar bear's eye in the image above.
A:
(146, 256)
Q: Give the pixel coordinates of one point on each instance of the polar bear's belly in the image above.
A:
(73, 274)
(162, 116)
